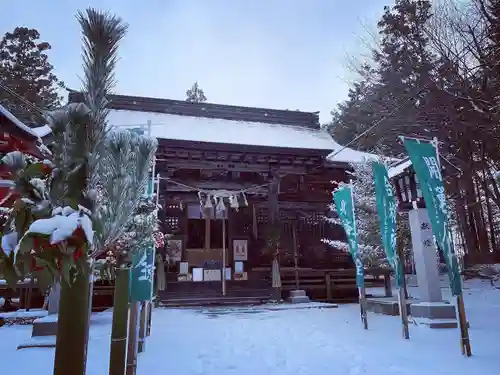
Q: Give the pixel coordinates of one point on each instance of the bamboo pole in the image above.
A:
(403, 312)
(72, 327)
(142, 326)
(118, 353)
(133, 336)
(402, 294)
(149, 315)
(362, 306)
(464, 327)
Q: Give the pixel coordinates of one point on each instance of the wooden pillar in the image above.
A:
(273, 221)
(207, 228)
(295, 255)
(230, 234)
(328, 282)
(387, 285)
(273, 200)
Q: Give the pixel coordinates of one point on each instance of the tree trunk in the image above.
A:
(72, 328)
(119, 331)
(489, 211)
(480, 221)
(470, 201)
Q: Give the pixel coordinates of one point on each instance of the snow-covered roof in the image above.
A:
(42, 131)
(346, 154)
(214, 130)
(399, 168)
(16, 122)
(6, 183)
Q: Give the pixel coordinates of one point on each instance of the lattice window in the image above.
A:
(172, 218)
(172, 224)
(262, 216)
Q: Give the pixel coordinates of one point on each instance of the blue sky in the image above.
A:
(276, 54)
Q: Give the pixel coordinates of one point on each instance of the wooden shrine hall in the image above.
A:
(269, 162)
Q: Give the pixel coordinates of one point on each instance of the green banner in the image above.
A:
(345, 208)
(142, 275)
(143, 262)
(387, 213)
(425, 161)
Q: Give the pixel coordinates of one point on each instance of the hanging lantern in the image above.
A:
(406, 186)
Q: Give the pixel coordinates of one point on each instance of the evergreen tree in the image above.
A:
(367, 223)
(195, 94)
(26, 70)
(396, 87)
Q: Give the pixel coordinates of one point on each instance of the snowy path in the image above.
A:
(288, 342)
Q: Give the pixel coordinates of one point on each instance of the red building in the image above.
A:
(14, 135)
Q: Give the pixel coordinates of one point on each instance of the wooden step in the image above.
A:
(217, 301)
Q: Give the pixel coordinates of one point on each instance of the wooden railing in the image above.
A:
(332, 284)
(30, 296)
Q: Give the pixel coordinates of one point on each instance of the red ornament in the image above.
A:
(77, 254)
(33, 264)
(46, 168)
(34, 267)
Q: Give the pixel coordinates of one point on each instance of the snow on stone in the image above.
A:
(200, 129)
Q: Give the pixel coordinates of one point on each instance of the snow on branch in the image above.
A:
(61, 227)
(367, 224)
(124, 174)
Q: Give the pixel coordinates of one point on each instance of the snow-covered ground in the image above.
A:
(286, 342)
